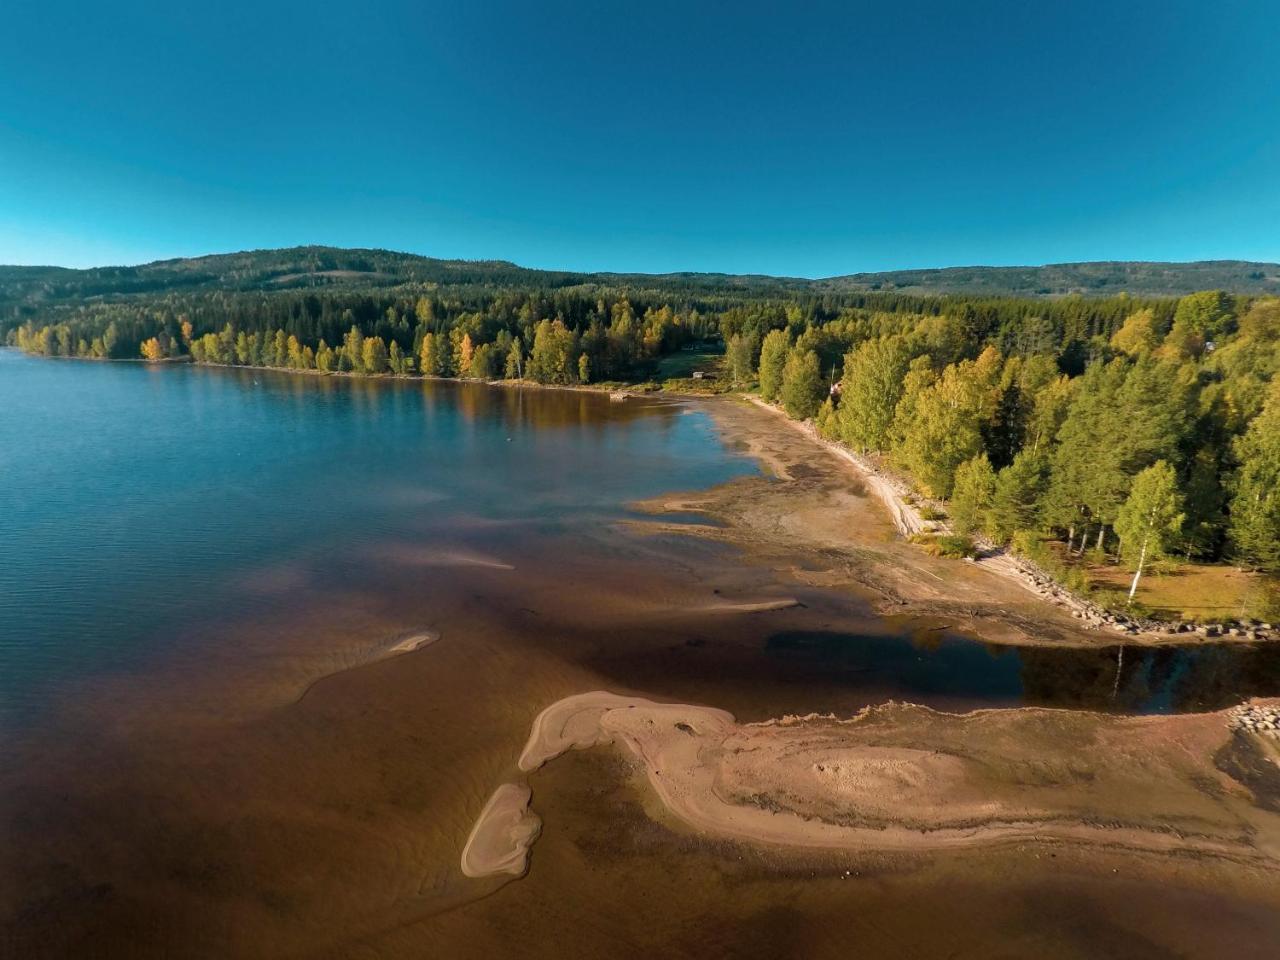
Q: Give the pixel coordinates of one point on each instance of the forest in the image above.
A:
(1150, 434)
(1145, 427)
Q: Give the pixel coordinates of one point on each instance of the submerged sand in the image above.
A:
(905, 778)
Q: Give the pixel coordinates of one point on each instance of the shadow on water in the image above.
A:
(944, 667)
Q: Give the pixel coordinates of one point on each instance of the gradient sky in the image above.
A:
(805, 139)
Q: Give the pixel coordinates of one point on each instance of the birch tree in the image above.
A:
(1150, 520)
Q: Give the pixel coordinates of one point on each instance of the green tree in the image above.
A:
(325, 359)
(972, 495)
(353, 350)
(1150, 521)
(870, 387)
(1199, 319)
(1015, 504)
(740, 358)
(773, 358)
(513, 368)
(485, 361)
(1255, 506)
(802, 387)
(396, 360)
(551, 360)
(1138, 334)
(941, 428)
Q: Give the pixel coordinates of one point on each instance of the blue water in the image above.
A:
(137, 501)
(132, 496)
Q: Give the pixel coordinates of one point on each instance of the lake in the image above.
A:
(134, 498)
(213, 749)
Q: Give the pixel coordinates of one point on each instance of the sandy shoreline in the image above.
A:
(825, 518)
(905, 778)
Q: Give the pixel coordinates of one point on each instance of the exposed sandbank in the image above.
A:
(747, 606)
(905, 778)
(504, 831)
(414, 641)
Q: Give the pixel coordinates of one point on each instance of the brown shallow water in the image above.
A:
(287, 793)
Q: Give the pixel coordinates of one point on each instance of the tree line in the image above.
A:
(1159, 435)
(1027, 414)
(547, 337)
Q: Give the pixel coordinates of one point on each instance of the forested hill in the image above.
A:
(312, 267)
(1089, 279)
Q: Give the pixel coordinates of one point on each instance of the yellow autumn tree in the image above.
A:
(466, 350)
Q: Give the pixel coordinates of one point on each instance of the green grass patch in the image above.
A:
(683, 364)
(946, 545)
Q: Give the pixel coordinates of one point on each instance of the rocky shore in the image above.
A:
(1256, 718)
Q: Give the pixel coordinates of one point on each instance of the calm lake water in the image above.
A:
(202, 575)
(136, 500)
(134, 497)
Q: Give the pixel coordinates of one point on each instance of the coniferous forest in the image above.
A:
(1144, 426)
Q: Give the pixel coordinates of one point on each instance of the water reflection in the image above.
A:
(940, 667)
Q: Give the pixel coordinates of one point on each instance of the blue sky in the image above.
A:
(805, 139)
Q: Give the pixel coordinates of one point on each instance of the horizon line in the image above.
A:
(645, 273)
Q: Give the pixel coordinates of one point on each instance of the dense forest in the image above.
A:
(1138, 426)
(1151, 431)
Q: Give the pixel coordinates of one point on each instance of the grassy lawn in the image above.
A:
(1195, 591)
(683, 363)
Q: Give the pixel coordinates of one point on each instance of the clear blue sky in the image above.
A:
(787, 138)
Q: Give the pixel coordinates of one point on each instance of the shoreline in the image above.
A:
(612, 389)
(892, 492)
(890, 495)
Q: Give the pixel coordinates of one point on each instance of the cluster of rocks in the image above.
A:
(1254, 719)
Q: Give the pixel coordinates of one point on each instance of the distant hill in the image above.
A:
(305, 267)
(1100, 278)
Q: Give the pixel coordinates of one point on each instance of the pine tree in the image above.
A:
(1015, 504)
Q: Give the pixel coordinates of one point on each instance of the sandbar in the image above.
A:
(502, 835)
(906, 778)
